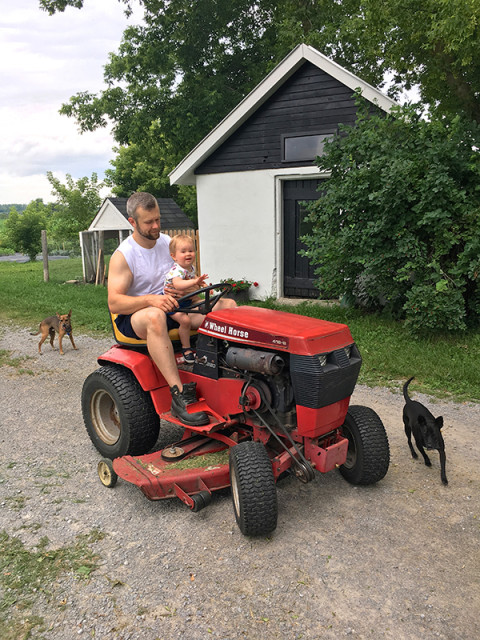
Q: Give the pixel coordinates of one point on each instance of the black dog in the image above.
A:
(426, 430)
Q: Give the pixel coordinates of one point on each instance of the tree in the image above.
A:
(77, 204)
(399, 224)
(172, 80)
(430, 44)
(23, 232)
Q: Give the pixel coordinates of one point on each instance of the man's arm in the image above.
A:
(119, 281)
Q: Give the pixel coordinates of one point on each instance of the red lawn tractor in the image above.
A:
(276, 387)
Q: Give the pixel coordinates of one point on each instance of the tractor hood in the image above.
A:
(276, 329)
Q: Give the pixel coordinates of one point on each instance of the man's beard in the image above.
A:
(149, 235)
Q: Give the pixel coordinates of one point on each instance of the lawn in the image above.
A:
(27, 299)
(445, 366)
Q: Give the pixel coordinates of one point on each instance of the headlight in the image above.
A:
(323, 359)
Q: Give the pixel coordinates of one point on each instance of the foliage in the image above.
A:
(398, 227)
(23, 232)
(6, 208)
(431, 45)
(172, 80)
(239, 285)
(77, 204)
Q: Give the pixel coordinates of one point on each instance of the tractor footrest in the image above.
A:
(215, 420)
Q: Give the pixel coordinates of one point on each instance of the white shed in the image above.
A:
(111, 221)
(253, 171)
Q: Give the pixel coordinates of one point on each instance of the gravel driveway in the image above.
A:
(397, 560)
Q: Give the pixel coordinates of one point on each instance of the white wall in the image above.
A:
(240, 224)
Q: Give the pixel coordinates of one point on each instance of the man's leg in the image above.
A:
(225, 303)
(151, 324)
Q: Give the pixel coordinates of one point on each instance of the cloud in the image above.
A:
(44, 60)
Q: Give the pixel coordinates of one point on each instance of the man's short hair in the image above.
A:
(140, 199)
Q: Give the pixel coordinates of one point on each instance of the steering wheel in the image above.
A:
(206, 305)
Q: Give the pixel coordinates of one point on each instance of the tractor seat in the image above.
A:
(126, 341)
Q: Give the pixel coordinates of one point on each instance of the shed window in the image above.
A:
(303, 147)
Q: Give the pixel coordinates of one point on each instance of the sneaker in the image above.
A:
(188, 355)
(179, 410)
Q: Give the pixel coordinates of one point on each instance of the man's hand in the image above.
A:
(166, 303)
(177, 293)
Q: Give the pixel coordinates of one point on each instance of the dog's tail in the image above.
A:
(405, 387)
(36, 334)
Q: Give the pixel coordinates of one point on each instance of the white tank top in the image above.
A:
(148, 266)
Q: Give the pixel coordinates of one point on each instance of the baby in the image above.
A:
(182, 276)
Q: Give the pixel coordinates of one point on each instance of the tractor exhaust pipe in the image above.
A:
(257, 361)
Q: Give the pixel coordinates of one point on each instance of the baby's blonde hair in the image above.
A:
(176, 240)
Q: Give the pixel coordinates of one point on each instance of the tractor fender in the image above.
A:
(139, 363)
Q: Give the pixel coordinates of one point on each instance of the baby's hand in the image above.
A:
(201, 280)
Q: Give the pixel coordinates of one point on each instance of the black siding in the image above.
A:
(310, 101)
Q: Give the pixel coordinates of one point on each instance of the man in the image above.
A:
(136, 279)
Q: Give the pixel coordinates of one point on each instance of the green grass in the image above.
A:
(27, 575)
(8, 360)
(444, 366)
(26, 299)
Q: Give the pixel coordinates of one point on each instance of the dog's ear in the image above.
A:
(69, 313)
(58, 315)
(439, 422)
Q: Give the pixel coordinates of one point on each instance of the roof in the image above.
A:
(184, 172)
(172, 216)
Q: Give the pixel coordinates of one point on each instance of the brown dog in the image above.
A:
(60, 324)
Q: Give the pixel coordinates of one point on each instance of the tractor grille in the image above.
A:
(326, 378)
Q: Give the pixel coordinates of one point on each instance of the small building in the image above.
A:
(254, 170)
(111, 221)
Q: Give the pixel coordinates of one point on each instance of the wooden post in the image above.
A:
(100, 260)
(197, 244)
(45, 256)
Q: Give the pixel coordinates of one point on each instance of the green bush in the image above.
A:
(398, 227)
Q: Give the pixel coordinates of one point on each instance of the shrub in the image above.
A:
(399, 219)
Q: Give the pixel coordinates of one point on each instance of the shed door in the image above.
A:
(298, 273)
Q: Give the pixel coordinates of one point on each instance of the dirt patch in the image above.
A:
(396, 560)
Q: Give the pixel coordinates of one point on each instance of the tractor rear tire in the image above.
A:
(254, 494)
(368, 456)
(119, 415)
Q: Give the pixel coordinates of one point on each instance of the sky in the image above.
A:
(44, 60)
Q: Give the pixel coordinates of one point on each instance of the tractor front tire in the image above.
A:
(119, 415)
(368, 455)
(254, 494)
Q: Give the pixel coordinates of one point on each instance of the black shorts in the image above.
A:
(125, 326)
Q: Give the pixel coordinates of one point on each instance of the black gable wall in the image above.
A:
(311, 101)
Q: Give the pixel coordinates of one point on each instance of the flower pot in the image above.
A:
(240, 297)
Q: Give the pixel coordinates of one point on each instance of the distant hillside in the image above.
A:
(5, 209)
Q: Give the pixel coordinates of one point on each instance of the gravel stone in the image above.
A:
(343, 561)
